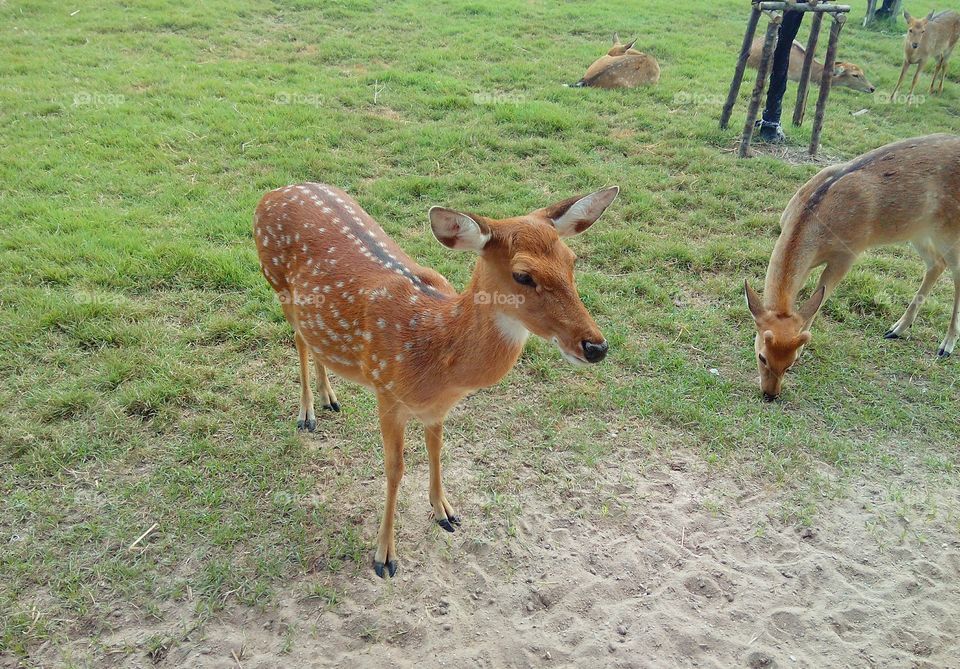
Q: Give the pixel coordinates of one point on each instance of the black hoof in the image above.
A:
(447, 524)
(308, 425)
(890, 334)
(943, 353)
(335, 406)
(391, 568)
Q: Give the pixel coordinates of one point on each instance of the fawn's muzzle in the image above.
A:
(594, 352)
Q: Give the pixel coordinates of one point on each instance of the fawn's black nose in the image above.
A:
(594, 352)
(916, 44)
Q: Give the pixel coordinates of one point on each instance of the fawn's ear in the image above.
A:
(616, 39)
(754, 303)
(907, 16)
(459, 231)
(630, 45)
(574, 215)
(930, 15)
(812, 305)
(839, 69)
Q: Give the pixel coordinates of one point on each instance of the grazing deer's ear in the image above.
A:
(574, 215)
(930, 15)
(907, 16)
(813, 304)
(630, 45)
(754, 303)
(458, 231)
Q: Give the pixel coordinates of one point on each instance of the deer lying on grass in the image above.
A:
(933, 36)
(844, 74)
(903, 192)
(364, 309)
(622, 67)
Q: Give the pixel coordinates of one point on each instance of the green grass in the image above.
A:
(148, 375)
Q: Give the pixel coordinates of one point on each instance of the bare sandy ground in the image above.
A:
(687, 568)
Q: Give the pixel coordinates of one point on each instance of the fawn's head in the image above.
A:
(851, 76)
(525, 272)
(780, 338)
(619, 49)
(916, 29)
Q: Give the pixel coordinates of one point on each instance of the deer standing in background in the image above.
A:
(844, 74)
(365, 310)
(903, 192)
(622, 67)
(933, 36)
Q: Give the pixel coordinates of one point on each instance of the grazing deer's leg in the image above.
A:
(916, 76)
(392, 426)
(327, 395)
(306, 419)
(953, 261)
(442, 510)
(935, 266)
(903, 72)
(943, 73)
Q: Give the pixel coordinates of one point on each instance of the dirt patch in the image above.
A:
(657, 564)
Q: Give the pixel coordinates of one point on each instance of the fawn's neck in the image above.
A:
(475, 340)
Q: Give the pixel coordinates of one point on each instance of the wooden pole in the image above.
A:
(800, 110)
(741, 66)
(825, 7)
(825, 81)
(769, 46)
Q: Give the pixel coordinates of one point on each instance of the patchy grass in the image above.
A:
(149, 375)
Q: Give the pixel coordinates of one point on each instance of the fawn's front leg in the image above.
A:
(442, 510)
(392, 425)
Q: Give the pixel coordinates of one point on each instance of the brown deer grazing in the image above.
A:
(365, 310)
(933, 36)
(903, 192)
(622, 67)
(844, 74)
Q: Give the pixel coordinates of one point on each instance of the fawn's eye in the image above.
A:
(763, 361)
(523, 279)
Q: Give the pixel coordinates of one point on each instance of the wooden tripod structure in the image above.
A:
(775, 11)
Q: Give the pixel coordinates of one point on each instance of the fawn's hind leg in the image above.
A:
(306, 419)
(326, 390)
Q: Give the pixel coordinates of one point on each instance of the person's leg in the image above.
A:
(770, 125)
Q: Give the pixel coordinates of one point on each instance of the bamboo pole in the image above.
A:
(741, 66)
(800, 110)
(769, 46)
(825, 81)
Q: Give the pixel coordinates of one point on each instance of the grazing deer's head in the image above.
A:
(780, 338)
(525, 270)
(916, 29)
(619, 49)
(851, 76)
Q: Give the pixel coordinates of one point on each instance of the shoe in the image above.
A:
(771, 133)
